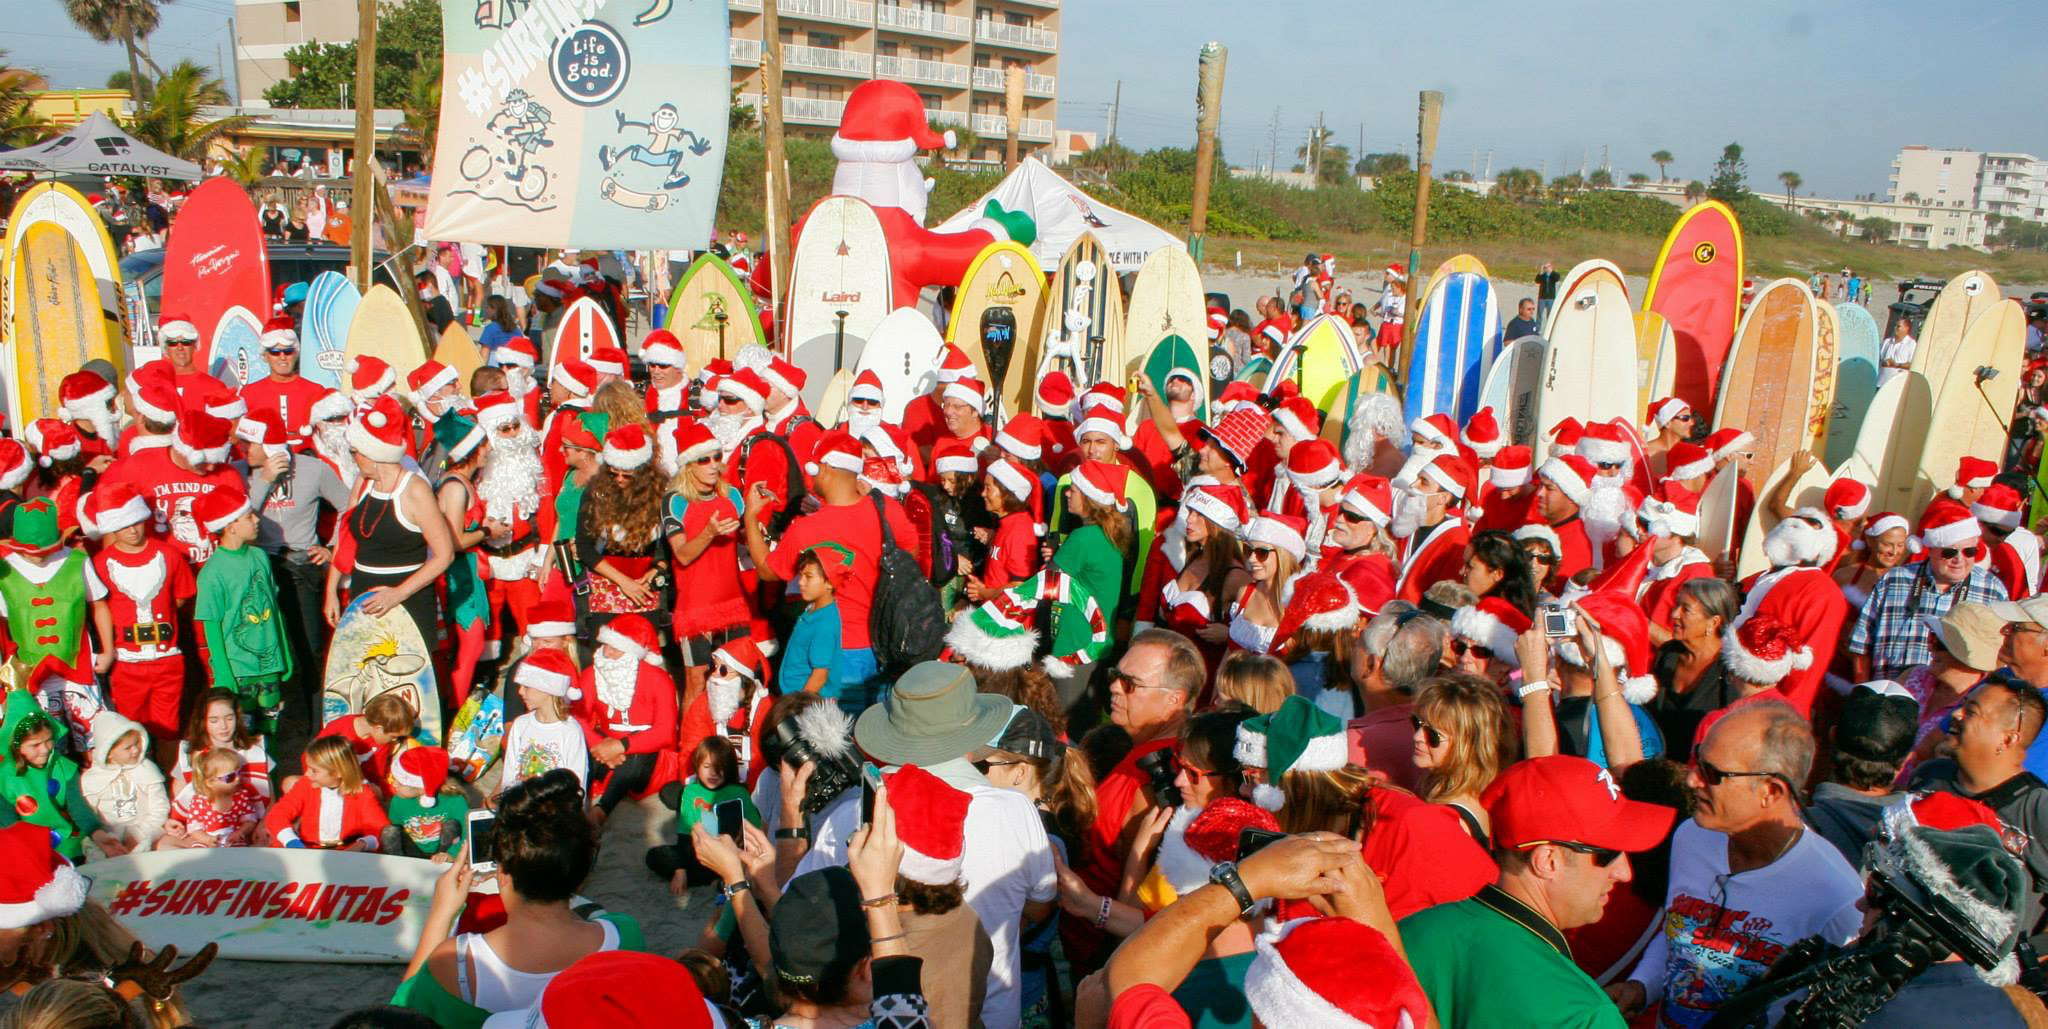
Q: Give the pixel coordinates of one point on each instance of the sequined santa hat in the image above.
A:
(1319, 601)
(1762, 650)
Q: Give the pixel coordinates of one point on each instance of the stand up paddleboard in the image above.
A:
(904, 351)
(215, 259)
(59, 204)
(1590, 361)
(1972, 408)
(998, 320)
(383, 328)
(1767, 382)
(712, 314)
(1954, 309)
(331, 302)
(1085, 314)
(1167, 300)
(371, 655)
(238, 347)
(839, 291)
(1513, 387)
(584, 327)
(58, 325)
(1321, 360)
(1455, 342)
(1855, 379)
(1697, 286)
(1888, 443)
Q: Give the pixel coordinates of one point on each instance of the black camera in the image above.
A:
(830, 775)
(1160, 767)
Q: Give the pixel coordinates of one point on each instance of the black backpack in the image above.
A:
(906, 622)
(793, 484)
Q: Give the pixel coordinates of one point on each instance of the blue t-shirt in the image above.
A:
(813, 643)
(494, 336)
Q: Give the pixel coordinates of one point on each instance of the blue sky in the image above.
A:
(1828, 89)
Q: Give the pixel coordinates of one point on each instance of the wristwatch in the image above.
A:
(798, 833)
(728, 891)
(1224, 874)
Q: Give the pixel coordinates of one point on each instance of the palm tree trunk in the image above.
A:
(138, 87)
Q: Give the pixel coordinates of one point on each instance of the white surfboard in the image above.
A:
(904, 352)
(1511, 388)
(839, 287)
(1590, 365)
(1717, 513)
(1888, 443)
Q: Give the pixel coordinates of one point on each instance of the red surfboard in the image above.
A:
(215, 260)
(1697, 287)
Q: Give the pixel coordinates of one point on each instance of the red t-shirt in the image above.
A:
(292, 401)
(376, 760)
(1147, 1006)
(854, 527)
(145, 589)
(713, 583)
(170, 490)
(1012, 551)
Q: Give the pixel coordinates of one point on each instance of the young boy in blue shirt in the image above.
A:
(810, 660)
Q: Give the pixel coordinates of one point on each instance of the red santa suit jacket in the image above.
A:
(745, 722)
(1369, 575)
(1810, 603)
(145, 589)
(1436, 557)
(646, 726)
(2016, 561)
(310, 816)
(1659, 595)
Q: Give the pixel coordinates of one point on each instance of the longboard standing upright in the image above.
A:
(215, 259)
(839, 291)
(57, 321)
(998, 318)
(1085, 317)
(1589, 370)
(712, 314)
(1697, 286)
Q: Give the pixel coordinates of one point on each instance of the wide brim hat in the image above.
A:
(933, 714)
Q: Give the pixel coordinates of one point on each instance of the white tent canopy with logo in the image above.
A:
(97, 146)
(1063, 212)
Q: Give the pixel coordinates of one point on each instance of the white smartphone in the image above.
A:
(483, 842)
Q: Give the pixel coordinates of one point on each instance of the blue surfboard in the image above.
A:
(1455, 345)
(323, 329)
(1855, 379)
(238, 347)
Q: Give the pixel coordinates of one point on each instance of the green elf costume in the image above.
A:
(468, 609)
(47, 796)
(997, 635)
(47, 591)
(236, 609)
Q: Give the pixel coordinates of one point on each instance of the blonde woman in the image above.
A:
(1462, 741)
(701, 521)
(1257, 681)
(1274, 549)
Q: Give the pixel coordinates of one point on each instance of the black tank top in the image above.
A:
(384, 543)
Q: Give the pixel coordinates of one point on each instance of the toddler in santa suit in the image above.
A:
(330, 807)
(148, 582)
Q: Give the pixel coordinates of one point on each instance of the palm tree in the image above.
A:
(965, 142)
(1792, 183)
(1660, 159)
(171, 120)
(20, 125)
(1695, 191)
(127, 22)
(423, 110)
(1600, 179)
(244, 166)
(1518, 183)
(1637, 178)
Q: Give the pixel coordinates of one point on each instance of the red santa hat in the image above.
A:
(1492, 623)
(661, 347)
(577, 375)
(836, 449)
(1605, 443)
(1662, 412)
(867, 386)
(967, 390)
(746, 386)
(608, 989)
(550, 619)
(784, 377)
(1298, 418)
(1727, 443)
(1482, 434)
(378, 432)
(1102, 483)
(1762, 650)
(1320, 601)
(1437, 429)
(1846, 499)
(892, 442)
(113, 507)
(36, 884)
(1102, 420)
(1675, 514)
(1948, 524)
(1453, 472)
(627, 448)
(607, 361)
(885, 120)
(954, 455)
(1017, 481)
(1313, 465)
(176, 328)
(1687, 461)
(1624, 576)
(331, 406)
(547, 670)
(1306, 973)
(369, 376)
(203, 439)
(261, 429)
(1280, 531)
(2000, 505)
(423, 768)
(215, 398)
(1572, 475)
(1104, 394)
(1625, 633)
(1239, 433)
(1396, 272)
(218, 509)
(497, 409)
(155, 402)
(1371, 497)
(1023, 436)
(1542, 533)
(931, 822)
(1219, 320)
(1223, 505)
(1973, 473)
(1564, 436)
(518, 352)
(1236, 395)
(14, 463)
(428, 379)
(632, 634)
(558, 289)
(741, 656)
(83, 394)
(1055, 393)
(693, 440)
(55, 440)
(1512, 467)
(1885, 521)
(954, 364)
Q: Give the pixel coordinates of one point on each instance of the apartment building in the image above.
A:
(955, 53)
(2007, 184)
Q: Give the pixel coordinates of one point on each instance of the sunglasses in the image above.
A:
(181, 342)
(726, 401)
(984, 766)
(1602, 856)
(228, 777)
(1262, 553)
(1951, 553)
(1462, 647)
(1351, 517)
(285, 352)
(706, 459)
(1429, 732)
(1541, 555)
(1686, 417)
(1713, 776)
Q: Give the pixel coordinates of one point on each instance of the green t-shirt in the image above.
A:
(238, 599)
(423, 826)
(1484, 970)
(697, 803)
(568, 508)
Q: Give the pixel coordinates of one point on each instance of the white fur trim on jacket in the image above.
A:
(1487, 631)
(1750, 668)
(63, 895)
(1279, 998)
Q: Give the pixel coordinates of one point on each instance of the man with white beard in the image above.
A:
(628, 712)
(330, 437)
(518, 356)
(1378, 439)
(864, 404)
(1426, 521)
(87, 402)
(786, 415)
(510, 486)
(1801, 595)
(434, 390)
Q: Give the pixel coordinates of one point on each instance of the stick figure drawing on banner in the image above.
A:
(664, 133)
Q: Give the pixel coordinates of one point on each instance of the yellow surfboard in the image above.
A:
(712, 314)
(458, 351)
(384, 329)
(57, 203)
(1321, 359)
(57, 321)
(998, 321)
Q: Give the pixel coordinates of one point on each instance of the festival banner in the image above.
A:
(586, 124)
(269, 903)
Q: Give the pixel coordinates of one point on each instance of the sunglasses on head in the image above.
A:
(1429, 732)
(1601, 856)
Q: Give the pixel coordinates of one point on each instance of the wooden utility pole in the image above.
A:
(776, 174)
(366, 143)
(1208, 112)
(1427, 118)
(1013, 113)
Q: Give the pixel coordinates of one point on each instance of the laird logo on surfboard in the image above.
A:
(840, 298)
(1005, 291)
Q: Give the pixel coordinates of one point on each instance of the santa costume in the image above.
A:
(629, 699)
(734, 703)
(146, 590)
(1439, 554)
(1799, 593)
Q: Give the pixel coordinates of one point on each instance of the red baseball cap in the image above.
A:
(1563, 799)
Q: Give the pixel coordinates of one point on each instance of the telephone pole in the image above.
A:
(1315, 148)
(366, 145)
(1273, 145)
(1115, 106)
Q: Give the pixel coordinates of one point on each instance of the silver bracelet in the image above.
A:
(1531, 688)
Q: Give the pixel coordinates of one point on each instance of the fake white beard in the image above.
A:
(858, 422)
(1409, 511)
(104, 425)
(518, 380)
(331, 440)
(898, 184)
(730, 429)
(753, 357)
(1358, 450)
(1605, 512)
(510, 481)
(722, 692)
(615, 679)
(1793, 542)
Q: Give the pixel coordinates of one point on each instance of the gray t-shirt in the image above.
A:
(291, 508)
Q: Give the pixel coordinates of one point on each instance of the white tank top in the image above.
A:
(499, 986)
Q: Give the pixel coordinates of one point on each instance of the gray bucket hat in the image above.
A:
(932, 714)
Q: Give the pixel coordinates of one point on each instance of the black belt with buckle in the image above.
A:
(149, 632)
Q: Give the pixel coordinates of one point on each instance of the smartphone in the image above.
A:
(1250, 841)
(730, 817)
(1557, 621)
(483, 841)
(870, 784)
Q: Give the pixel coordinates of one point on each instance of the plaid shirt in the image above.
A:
(1892, 627)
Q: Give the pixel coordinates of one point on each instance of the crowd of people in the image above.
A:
(1379, 720)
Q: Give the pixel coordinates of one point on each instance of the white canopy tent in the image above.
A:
(97, 146)
(1063, 212)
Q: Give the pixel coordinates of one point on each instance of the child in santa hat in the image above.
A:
(148, 580)
(428, 813)
(547, 736)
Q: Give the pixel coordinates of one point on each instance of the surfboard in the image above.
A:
(839, 285)
(1656, 347)
(58, 324)
(59, 204)
(1696, 285)
(1888, 443)
(1167, 300)
(583, 328)
(383, 328)
(1321, 359)
(1855, 379)
(1512, 387)
(1418, 290)
(1084, 311)
(238, 346)
(1971, 411)
(1806, 492)
(331, 302)
(459, 352)
(1717, 513)
(371, 655)
(1954, 308)
(1590, 359)
(1820, 405)
(1454, 344)
(215, 259)
(998, 319)
(1767, 381)
(712, 313)
(1168, 355)
(903, 351)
